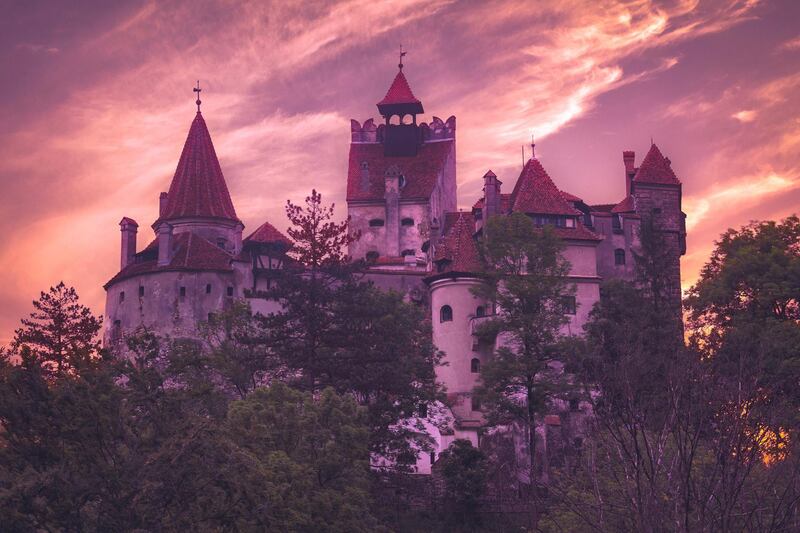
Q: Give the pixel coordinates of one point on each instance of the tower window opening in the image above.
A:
(446, 314)
(619, 256)
(230, 291)
(141, 291)
(117, 324)
(656, 210)
(476, 403)
(376, 223)
(433, 457)
(407, 222)
(616, 222)
(121, 296)
(221, 243)
(475, 365)
(183, 291)
(208, 288)
(480, 311)
(401, 182)
(570, 306)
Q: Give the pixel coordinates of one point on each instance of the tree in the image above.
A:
(525, 276)
(60, 335)
(334, 329)
(463, 468)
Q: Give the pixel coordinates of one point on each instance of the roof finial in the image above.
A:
(533, 147)
(197, 90)
(651, 141)
(400, 65)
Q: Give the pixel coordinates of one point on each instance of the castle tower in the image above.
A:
(198, 263)
(401, 180)
(656, 193)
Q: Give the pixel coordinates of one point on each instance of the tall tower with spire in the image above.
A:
(401, 180)
(198, 262)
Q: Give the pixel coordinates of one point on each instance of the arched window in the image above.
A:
(619, 256)
(376, 223)
(446, 314)
(121, 296)
(480, 311)
(407, 222)
(475, 365)
(372, 257)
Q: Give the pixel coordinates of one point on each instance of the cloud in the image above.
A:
(37, 48)
(746, 115)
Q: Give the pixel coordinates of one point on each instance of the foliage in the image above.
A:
(335, 329)
(526, 278)
(463, 468)
(60, 335)
(122, 445)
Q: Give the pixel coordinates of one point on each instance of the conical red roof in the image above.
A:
(399, 92)
(536, 193)
(655, 168)
(267, 234)
(459, 246)
(198, 188)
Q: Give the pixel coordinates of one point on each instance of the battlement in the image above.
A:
(436, 130)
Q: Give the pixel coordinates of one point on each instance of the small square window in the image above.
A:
(570, 306)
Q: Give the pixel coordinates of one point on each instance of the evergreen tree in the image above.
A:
(60, 334)
(525, 276)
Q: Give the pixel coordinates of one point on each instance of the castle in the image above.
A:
(401, 197)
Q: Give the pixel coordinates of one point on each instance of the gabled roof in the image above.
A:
(420, 171)
(198, 188)
(458, 247)
(267, 234)
(536, 193)
(570, 197)
(189, 252)
(655, 168)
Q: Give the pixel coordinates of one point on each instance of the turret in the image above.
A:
(399, 109)
(491, 195)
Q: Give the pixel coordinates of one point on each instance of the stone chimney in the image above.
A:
(392, 179)
(128, 227)
(491, 196)
(162, 204)
(628, 157)
(164, 244)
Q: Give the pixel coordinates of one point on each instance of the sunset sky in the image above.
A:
(97, 101)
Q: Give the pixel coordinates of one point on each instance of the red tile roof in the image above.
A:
(602, 208)
(655, 168)
(198, 188)
(625, 206)
(420, 171)
(505, 201)
(458, 247)
(189, 252)
(535, 192)
(399, 92)
(570, 197)
(578, 233)
(266, 233)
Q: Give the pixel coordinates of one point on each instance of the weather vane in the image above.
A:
(197, 90)
(401, 56)
(533, 146)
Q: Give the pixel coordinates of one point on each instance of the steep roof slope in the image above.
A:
(656, 168)
(535, 192)
(198, 188)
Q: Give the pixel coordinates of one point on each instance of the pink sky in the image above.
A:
(97, 102)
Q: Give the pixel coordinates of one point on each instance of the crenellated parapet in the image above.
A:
(436, 130)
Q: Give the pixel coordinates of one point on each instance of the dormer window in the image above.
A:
(376, 223)
(407, 222)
